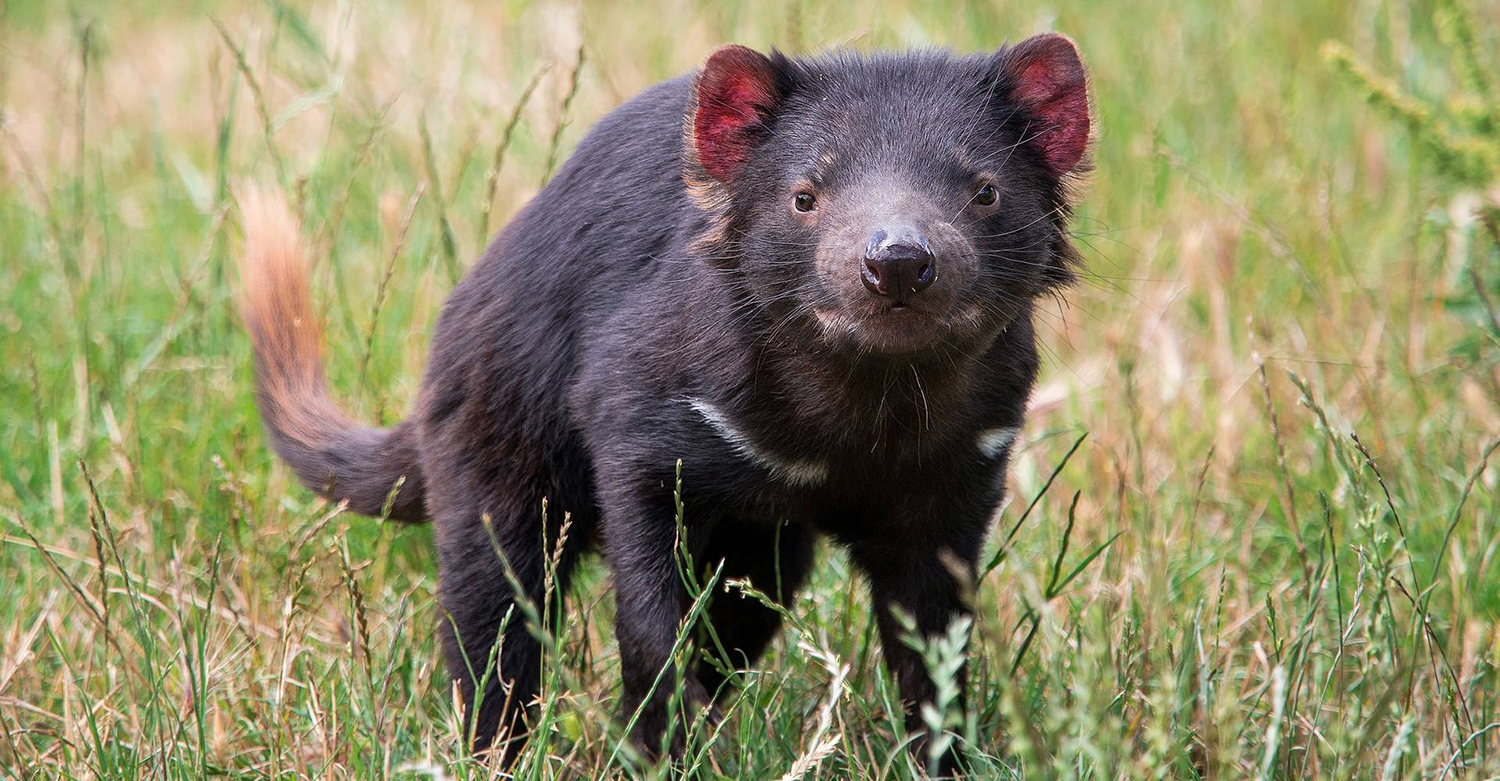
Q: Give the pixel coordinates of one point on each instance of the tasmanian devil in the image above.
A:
(812, 280)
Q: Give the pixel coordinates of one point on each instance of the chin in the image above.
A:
(903, 344)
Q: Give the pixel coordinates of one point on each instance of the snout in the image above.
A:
(898, 263)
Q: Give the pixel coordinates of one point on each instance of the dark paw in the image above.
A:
(651, 727)
(948, 765)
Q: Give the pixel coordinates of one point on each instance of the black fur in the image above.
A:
(641, 310)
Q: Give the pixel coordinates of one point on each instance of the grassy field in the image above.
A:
(1273, 553)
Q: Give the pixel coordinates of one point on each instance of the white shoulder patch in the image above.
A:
(993, 441)
(798, 472)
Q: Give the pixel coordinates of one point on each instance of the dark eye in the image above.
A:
(986, 196)
(804, 202)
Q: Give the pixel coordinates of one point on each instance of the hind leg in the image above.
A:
(776, 564)
(498, 684)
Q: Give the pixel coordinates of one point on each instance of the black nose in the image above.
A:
(898, 263)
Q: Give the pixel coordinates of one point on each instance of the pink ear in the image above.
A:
(1048, 78)
(736, 95)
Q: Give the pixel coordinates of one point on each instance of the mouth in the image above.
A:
(890, 329)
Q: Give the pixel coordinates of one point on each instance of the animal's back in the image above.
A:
(507, 344)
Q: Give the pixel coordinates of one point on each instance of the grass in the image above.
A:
(1273, 554)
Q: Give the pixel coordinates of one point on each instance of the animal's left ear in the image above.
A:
(734, 100)
(1047, 76)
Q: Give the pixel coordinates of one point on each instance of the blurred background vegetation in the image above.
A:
(1280, 526)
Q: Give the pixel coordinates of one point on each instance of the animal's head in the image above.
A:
(892, 204)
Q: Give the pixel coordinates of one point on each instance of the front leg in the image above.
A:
(642, 545)
(930, 578)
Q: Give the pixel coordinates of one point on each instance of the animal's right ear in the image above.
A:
(735, 97)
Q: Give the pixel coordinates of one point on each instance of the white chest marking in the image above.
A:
(993, 441)
(798, 472)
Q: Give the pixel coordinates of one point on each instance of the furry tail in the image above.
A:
(329, 453)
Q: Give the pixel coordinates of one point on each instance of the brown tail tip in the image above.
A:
(276, 302)
(328, 451)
